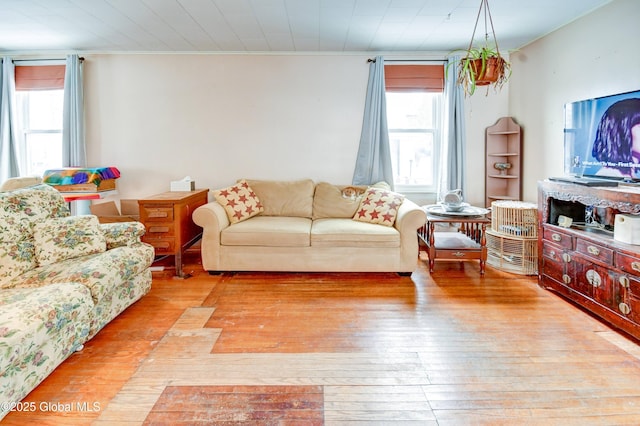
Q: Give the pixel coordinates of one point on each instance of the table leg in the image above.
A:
(178, 260)
(483, 249)
(432, 247)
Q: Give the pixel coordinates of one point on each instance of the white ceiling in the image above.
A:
(274, 25)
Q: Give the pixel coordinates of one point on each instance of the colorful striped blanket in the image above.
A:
(75, 175)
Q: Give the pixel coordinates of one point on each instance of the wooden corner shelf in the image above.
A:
(503, 144)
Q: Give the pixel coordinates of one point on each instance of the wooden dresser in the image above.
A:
(585, 264)
(167, 219)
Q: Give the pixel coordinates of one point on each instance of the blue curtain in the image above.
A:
(452, 153)
(73, 141)
(9, 133)
(373, 163)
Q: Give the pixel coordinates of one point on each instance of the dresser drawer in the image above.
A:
(594, 251)
(552, 251)
(559, 238)
(157, 214)
(555, 270)
(627, 263)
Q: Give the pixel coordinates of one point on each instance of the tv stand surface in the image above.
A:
(591, 269)
(586, 181)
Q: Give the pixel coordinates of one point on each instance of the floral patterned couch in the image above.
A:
(62, 278)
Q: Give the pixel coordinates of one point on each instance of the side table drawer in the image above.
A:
(159, 230)
(153, 214)
(163, 246)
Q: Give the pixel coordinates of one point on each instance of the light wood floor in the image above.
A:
(449, 348)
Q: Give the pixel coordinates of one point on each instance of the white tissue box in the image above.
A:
(626, 229)
(183, 185)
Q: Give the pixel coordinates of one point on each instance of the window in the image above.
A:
(413, 119)
(40, 102)
(40, 115)
(414, 111)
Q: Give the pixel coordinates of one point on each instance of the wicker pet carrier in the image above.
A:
(512, 241)
(514, 218)
(512, 254)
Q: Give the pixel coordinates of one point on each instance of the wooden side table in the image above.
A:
(469, 243)
(167, 219)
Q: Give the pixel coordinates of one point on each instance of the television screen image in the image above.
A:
(602, 137)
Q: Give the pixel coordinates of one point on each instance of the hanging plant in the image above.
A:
(483, 65)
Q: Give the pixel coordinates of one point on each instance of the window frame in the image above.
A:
(24, 115)
(416, 77)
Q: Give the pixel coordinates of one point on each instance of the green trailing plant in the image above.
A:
(484, 65)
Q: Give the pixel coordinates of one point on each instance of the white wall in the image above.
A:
(218, 118)
(594, 56)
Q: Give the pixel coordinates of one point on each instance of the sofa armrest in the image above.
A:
(120, 234)
(213, 219)
(410, 217)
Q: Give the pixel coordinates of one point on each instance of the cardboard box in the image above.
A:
(104, 185)
(108, 212)
(183, 185)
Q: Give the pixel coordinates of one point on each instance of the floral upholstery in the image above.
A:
(122, 233)
(62, 278)
(100, 273)
(19, 210)
(39, 328)
(65, 238)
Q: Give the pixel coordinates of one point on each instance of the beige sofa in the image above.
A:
(303, 226)
(62, 279)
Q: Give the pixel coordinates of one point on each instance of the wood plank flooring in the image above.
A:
(448, 348)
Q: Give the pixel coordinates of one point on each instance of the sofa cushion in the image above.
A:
(350, 233)
(379, 206)
(285, 198)
(329, 201)
(16, 247)
(100, 273)
(240, 202)
(22, 207)
(64, 238)
(268, 231)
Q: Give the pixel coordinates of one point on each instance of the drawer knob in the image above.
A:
(624, 281)
(566, 278)
(594, 278)
(566, 257)
(624, 308)
(458, 254)
(593, 250)
(556, 237)
(635, 266)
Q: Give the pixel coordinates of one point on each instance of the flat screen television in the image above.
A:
(602, 137)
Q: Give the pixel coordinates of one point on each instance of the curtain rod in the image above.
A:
(16, 61)
(408, 60)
